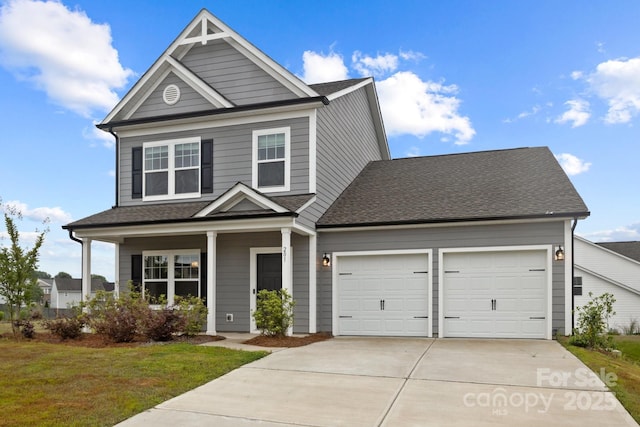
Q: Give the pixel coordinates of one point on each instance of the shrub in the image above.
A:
(593, 322)
(26, 328)
(117, 319)
(65, 327)
(194, 312)
(274, 312)
(160, 325)
(1, 316)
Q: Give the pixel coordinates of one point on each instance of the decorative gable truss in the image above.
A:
(192, 70)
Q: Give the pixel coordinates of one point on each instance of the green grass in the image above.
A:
(626, 369)
(53, 384)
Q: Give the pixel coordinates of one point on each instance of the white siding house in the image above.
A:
(603, 270)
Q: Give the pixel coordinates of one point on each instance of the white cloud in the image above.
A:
(41, 214)
(576, 75)
(111, 173)
(410, 55)
(319, 68)
(63, 53)
(413, 152)
(534, 110)
(413, 106)
(578, 113)
(620, 234)
(618, 83)
(95, 134)
(374, 66)
(571, 164)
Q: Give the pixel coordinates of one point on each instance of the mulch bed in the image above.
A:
(97, 341)
(265, 341)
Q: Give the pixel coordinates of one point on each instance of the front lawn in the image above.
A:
(626, 368)
(56, 384)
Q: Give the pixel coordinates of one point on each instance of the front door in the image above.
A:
(269, 272)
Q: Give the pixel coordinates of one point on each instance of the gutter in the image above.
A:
(218, 111)
(110, 130)
(573, 276)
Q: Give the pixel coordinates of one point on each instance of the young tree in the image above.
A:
(17, 265)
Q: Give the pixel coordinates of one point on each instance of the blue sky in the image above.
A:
(452, 76)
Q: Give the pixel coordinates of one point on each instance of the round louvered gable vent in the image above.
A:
(171, 94)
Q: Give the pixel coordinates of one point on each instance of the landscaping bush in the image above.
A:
(26, 328)
(194, 312)
(593, 323)
(117, 319)
(65, 327)
(160, 325)
(274, 312)
(1, 316)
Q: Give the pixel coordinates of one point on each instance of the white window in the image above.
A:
(167, 274)
(271, 159)
(172, 169)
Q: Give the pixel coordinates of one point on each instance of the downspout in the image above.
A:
(75, 239)
(117, 165)
(573, 275)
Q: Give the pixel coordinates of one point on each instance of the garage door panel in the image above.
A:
(393, 294)
(495, 294)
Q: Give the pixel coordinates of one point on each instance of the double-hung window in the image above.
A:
(172, 169)
(168, 274)
(271, 159)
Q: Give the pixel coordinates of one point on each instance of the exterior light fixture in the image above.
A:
(559, 255)
(326, 260)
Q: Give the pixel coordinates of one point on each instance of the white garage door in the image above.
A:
(384, 295)
(495, 294)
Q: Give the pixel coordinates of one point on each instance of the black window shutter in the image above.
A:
(203, 275)
(136, 272)
(206, 166)
(136, 173)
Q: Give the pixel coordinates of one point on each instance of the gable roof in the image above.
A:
(184, 211)
(204, 28)
(75, 285)
(628, 249)
(489, 185)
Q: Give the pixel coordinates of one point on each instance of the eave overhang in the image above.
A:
(265, 107)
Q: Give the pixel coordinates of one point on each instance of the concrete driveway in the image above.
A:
(402, 382)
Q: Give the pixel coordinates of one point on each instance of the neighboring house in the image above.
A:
(232, 176)
(45, 285)
(612, 267)
(66, 293)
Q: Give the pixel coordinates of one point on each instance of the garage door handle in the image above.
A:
(420, 317)
(451, 317)
(452, 271)
(420, 272)
(537, 318)
(345, 274)
(536, 269)
(346, 317)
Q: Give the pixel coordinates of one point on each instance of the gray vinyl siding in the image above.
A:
(233, 75)
(544, 233)
(346, 142)
(154, 105)
(232, 156)
(232, 278)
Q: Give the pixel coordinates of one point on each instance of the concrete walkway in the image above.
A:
(401, 382)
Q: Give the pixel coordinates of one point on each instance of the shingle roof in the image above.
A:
(628, 249)
(75, 285)
(502, 184)
(173, 212)
(328, 88)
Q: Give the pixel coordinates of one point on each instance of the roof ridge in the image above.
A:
(464, 154)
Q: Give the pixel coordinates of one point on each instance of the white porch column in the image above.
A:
(313, 309)
(287, 264)
(211, 282)
(86, 270)
(116, 279)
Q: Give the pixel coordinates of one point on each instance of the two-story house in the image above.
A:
(232, 175)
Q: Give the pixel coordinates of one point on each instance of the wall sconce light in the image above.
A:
(559, 255)
(326, 260)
